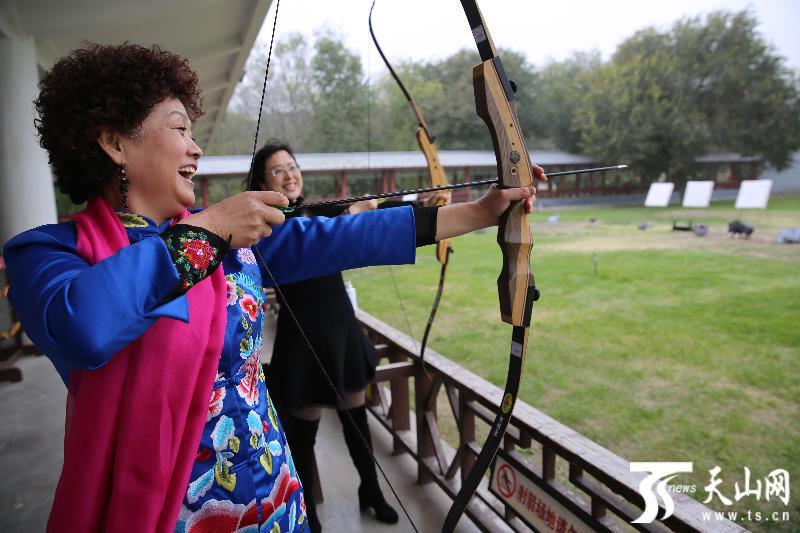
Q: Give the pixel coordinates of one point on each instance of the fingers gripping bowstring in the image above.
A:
(340, 401)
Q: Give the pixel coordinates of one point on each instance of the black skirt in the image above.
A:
(326, 315)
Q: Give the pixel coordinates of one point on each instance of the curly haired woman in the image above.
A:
(152, 314)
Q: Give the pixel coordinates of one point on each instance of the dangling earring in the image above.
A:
(123, 186)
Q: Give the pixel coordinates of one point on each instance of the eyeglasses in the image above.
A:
(279, 172)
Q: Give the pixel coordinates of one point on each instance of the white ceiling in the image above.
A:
(215, 35)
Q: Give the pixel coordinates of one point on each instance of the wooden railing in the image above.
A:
(588, 487)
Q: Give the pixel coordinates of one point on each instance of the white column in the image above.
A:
(27, 198)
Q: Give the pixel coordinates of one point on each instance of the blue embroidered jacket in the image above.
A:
(79, 315)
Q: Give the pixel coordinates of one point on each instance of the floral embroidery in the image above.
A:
(275, 448)
(198, 252)
(272, 416)
(250, 306)
(273, 507)
(275, 504)
(256, 427)
(266, 461)
(246, 283)
(242, 435)
(248, 386)
(233, 296)
(246, 256)
(194, 251)
(199, 487)
(246, 347)
(215, 406)
(223, 438)
(249, 345)
(203, 455)
(132, 220)
(216, 515)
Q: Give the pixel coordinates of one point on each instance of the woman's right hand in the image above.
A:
(243, 219)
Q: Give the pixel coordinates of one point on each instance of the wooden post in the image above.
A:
(753, 174)
(548, 464)
(401, 420)
(425, 450)
(468, 179)
(466, 433)
(343, 184)
(735, 175)
(204, 189)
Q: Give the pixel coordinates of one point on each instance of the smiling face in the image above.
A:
(282, 174)
(160, 162)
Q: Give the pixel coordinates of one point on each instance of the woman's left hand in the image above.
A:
(364, 205)
(438, 198)
(496, 201)
(458, 219)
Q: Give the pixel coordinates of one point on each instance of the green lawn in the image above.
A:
(679, 348)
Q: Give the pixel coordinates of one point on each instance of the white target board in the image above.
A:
(659, 194)
(753, 194)
(698, 193)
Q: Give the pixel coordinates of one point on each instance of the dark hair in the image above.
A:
(270, 148)
(99, 86)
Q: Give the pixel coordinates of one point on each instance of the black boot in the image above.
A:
(369, 492)
(301, 435)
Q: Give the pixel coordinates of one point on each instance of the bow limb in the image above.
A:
(436, 176)
(494, 102)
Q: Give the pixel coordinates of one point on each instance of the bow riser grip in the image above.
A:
(437, 179)
(514, 169)
(435, 170)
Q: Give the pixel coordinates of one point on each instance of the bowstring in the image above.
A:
(420, 345)
(369, 155)
(265, 268)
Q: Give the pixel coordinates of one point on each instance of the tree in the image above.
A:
(632, 112)
(453, 117)
(708, 84)
(747, 95)
(287, 106)
(560, 86)
(338, 97)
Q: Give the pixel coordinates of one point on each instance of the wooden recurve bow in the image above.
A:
(436, 176)
(494, 102)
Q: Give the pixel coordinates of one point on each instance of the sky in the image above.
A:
(542, 30)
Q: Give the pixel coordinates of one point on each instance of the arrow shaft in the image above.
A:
(442, 188)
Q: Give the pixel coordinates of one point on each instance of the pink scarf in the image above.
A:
(134, 425)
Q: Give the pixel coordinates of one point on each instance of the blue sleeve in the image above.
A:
(78, 314)
(304, 248)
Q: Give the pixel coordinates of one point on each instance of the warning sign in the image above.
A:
(533, 505)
